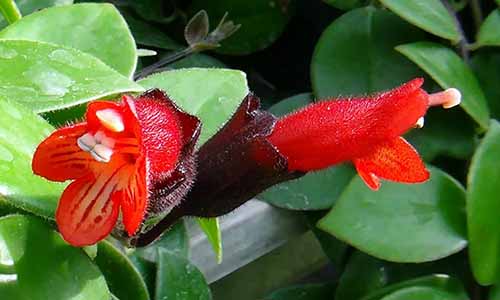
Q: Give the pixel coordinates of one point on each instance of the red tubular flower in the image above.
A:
(365, 130)
(132, 157)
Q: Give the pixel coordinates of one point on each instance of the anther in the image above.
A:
(86, 142)
(101, 153)
(111, 119)
(420, 122)
(448, 98)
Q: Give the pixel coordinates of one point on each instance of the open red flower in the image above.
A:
(364, 130)
(120, 160)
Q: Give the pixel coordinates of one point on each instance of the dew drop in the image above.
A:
(7, 53)
(65, 57)
(49, 81)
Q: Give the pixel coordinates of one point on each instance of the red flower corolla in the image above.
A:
(120, 159)
(364, 130)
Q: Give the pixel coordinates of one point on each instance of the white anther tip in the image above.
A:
(420, 122)
(86, 142)
(101, 153)
(454, 97)
(111, 119)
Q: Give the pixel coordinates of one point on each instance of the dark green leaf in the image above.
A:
(401, 223)
(304, 292)
(261, 23)
(212, 230)
(151, 36)
(290, 104)
(211, 94)
(430, 15)
(27, 7)
(486, 65)
(425, 292)
(147, 270)
(178, 279)
(442, 136)
(442, 282)
(176, 241)
(97, 29)
(46, 77)
(346, 4)
(494, 293)
(362, 275)
(124, 281)
(448, 70)
(45, 267)
(489, 33)
(483, 205)
(197, 60)
(355, 54)
(20, 132)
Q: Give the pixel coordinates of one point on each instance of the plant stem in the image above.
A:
(9, 10)
(463, 44)
(164, 61)
(477, 13)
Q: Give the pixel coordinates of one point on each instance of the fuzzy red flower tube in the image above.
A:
(125, 160)
(366, 131)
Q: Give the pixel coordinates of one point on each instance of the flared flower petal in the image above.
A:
(59, 158)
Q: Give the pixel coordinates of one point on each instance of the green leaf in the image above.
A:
(147, 270)
(355, 54)
(151, 36)
(178, 279)
(124, 280)
(197, 60)
(176, 241)
(442, 136)
(210, 227)
(290, 104)
(380, 223)
(362, 275)
(304, 292)
(27, 7)
(20, 133)
(97, 29)
(45, 77)
(488, 34)
(346, 4)
(438, 281)
(483, 205)
(315, 190)
(45, 266)
(448, 70)
(425, 292)
(486, 65)
(261, 23)
(494, 293)
(213, 95)
(430, 15)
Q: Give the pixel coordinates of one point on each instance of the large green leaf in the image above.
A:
(401, 223)
(430, 15)
(448, 70)
(355, 54)
(44, 266)
(438, 281)
(28, 6)
(147, 269)
(20, 132)
(97, 29)
(488, 34)
(304, 292)
(362, 275)
(486, 65)
(346, 4)
(262, 22)
(45, 77)
(494, 293)
(425, 292)
(148, 35)
(211, 94)
(176, 241)
(124, 280)
(483, 205)
(178, 279)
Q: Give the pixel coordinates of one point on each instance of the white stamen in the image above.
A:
(454, 97)
(420, 122)
(101, 153)
(101, 138)
(86, 142)
(111, 119)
